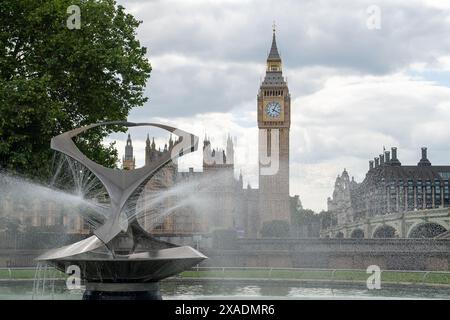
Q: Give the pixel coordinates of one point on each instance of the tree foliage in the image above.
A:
(305, 217)
(275, 229)
(327, 220)
(53, 79)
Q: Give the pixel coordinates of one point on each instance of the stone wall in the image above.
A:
(388, 254)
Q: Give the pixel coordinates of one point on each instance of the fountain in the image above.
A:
(121, 260)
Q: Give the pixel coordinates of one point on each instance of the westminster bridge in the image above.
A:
(411, 224)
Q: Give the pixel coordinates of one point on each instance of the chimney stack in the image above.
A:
(394, 159)
(381, 159)
(424, 162)
(377, 162)
(424, 153)
(387, 157)
(370, 164)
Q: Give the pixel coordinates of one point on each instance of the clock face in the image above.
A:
(273, 109)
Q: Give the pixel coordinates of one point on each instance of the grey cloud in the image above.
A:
(323, 33)
(326, 35)
(189, 90)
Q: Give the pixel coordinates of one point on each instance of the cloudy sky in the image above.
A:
(354, 89)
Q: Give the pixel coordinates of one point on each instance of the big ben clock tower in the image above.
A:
(274, 120)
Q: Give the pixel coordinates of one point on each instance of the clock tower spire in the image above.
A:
(274, 59)
(274, 121)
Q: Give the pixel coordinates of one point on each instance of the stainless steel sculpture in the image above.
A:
(110, 271)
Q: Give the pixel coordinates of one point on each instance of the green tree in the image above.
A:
(275, 229)
(305, 217)
(326, 219)
(53, 79)
(10, 224)
(307, 222)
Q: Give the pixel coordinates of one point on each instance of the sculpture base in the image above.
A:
(122, 291)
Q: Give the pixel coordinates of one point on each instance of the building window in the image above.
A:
(437, 193)
(72, 224)
(428, 195)
(401, 196)
(445, 175)
(446, 196)
(419, 194)
(393, 197)
(410, 195)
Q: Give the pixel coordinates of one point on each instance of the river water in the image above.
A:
(23, 290)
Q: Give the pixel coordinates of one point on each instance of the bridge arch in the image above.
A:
(357, 234)
(339, 235)
(426, 230)
(384, 231)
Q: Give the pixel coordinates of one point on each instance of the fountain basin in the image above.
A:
(142, 267)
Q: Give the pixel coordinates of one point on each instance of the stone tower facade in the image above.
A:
(274, 120)
(341, 202)
(128, 161)
(223, 190)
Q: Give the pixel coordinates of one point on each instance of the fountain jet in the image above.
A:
(110, 269)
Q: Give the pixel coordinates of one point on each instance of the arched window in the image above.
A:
(426, 230)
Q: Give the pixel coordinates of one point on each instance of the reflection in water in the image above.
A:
(217, 290)
(275, 291)
(310, 292)
(14, 290)
(251, 291)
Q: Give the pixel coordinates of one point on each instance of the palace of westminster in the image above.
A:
(229, 204)
(393, 200)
